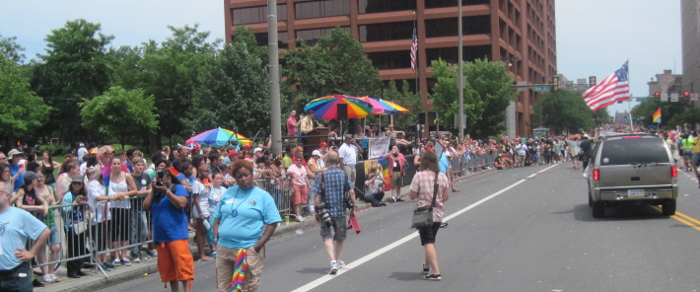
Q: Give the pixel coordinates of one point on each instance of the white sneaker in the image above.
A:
(334, 268)
(116, 263)
(47, 278)
(340, 264)
(126, 262)
(137, 260)
(53, 276)
(301, 219)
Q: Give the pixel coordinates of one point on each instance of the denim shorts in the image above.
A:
(54, 237)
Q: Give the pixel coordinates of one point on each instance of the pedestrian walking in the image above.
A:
(330, 189)
(245, 219)
(423, 188)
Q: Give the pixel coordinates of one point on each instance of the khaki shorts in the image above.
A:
(396, 180)
(350, 170)
(226, 259)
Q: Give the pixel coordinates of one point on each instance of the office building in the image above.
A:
(520, 33)
(690, 35)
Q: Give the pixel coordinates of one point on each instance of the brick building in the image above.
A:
(521, 33)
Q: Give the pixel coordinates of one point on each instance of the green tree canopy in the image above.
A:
(668, 110)
(244, 35)
(23, 112)
(11, 49)
(487, 93)
(73, 69)
(121, 113)
(411, 101)
(234, 93)
(564, 110)
(336, 65)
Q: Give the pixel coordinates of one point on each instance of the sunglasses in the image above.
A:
(76, 183)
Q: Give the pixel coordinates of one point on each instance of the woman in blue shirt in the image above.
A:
(245, 218)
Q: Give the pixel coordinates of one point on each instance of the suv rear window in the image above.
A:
(633, 151)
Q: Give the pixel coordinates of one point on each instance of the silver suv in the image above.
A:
(632, 169)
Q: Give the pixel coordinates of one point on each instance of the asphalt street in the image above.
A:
(526, 229)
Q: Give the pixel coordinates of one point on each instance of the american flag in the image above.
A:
(613, 88)
(414, 48)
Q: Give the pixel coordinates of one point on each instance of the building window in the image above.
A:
(318, 9)
(375, 6)
(386, 31)
(391, 60)
(252, 15)
(449, 55)
(452, 3)
(282, 39)
(311, 36)
(448, 26)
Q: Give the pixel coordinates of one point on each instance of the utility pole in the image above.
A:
(460, 81)
(275, 111)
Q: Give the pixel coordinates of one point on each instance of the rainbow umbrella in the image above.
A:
(218, 137)
(397, 108)
(378, 107)
(326, 108)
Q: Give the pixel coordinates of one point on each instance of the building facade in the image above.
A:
(520, 33)
(690, 35)
(666, 82)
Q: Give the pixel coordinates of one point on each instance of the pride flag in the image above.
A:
(657, 116)
(385, 173)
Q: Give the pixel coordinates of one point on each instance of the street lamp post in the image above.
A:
(460, 81)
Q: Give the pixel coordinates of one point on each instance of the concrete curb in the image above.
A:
(122, 274)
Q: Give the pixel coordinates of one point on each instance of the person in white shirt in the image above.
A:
(81, 152)
(348, 156)
(522, 151)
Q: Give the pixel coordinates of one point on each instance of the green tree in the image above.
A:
(121, 113)
(172, 73)
(411, 101)
(244, 35)
(690, 116)
(23, 112)
(564, 110)
(11, 49)
(234, 93)
(336, 65)
(487, 93)
(125, 68)
(73, 69)
(668, 110)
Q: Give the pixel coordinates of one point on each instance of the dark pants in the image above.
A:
(584, 158)
(76, 248)
(375, 198)
(19, 279)
(302, 139)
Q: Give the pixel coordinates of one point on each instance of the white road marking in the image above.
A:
(325, 278)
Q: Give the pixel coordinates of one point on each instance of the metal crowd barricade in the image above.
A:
(129, 227)
(70, 232)
(280, 190)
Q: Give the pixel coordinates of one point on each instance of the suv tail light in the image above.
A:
(596, 174)
(674, 171)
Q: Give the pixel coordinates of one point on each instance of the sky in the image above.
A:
(594, 37)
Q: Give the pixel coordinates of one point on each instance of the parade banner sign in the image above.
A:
(378, 147)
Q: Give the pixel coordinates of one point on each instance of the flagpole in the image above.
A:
(415, 16)
(629, 104)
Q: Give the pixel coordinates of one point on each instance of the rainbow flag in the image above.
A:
(657, 116)
(239, 269)
(385, 172)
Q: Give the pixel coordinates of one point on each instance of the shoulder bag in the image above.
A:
(423, 216)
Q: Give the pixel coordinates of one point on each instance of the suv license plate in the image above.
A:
(635, 193)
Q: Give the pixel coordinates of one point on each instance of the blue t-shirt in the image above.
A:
(20, 178)
(444, 164)
(169, 222)
(190, 179)
(254, 209)
(16, 225)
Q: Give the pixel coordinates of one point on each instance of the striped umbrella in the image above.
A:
(397, 108)
(218, 137)
(378, 107)
(326, 108)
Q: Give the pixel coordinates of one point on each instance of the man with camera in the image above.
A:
(330, 189)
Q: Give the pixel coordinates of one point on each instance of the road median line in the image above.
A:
(695, 223)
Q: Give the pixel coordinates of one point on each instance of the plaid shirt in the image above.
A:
(337, 184)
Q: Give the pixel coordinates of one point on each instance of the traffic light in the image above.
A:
(555, 80)
(591, 81)
(657, 96)
(686, 97)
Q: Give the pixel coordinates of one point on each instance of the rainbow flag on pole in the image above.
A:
(657, 116)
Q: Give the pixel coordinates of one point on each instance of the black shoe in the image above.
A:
(425, 271)
(399, 199)
(36, 283)
(76, 276)
(82, 274)
(392, 200)
(443, 224)
(433, 277)
(382, 204)
(88, 266)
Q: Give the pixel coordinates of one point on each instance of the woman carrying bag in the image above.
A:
(429, 193)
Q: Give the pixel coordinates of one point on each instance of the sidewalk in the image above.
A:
(96, 279)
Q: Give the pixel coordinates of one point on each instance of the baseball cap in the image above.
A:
(77, 178)
(257, 150)
(323, 144)
(246, 147)
(233, 153)
(30, 176)
(81, 144)
(316, 153)
(12, 153)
